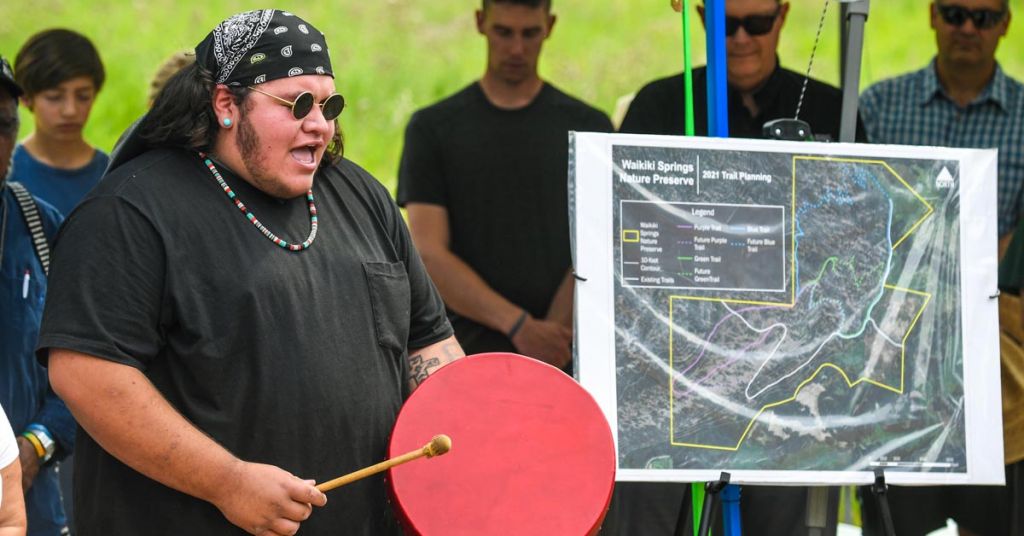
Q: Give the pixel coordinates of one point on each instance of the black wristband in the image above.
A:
(519, 324)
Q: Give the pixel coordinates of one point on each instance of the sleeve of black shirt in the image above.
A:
(644, 114)
(420, 170)
(600, 123)
(428, 322)
(105, 304)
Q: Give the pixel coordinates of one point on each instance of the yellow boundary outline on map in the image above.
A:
(850, 384)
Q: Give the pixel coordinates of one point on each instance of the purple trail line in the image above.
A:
(707, 339)
(686, 242)
(760, 340)
(685, 226)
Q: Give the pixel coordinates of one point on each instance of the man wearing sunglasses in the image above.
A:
(964, 99)
(235, 310)
(483, 178)
(759, 89)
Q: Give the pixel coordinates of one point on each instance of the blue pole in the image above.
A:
(718, 100)
(718, 127)
(731, 525)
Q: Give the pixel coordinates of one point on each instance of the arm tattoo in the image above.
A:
(421, 367)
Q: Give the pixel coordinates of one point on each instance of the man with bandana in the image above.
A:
(43, 423)
(235, 310)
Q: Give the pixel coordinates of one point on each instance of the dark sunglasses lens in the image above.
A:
(303, 104)
(985, 19)
(754, 24)
(759, 24)
(953, 15)
(333, 106)
(732, 25)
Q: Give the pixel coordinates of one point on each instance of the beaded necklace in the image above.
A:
(249, 215)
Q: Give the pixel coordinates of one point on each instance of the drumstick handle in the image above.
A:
(371, 470)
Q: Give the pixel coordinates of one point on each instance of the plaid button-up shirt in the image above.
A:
(914, 109)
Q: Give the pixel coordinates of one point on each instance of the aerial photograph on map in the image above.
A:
(787, 311)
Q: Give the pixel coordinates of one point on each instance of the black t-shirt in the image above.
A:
(659, 107)
(296, 359)
(502, 175)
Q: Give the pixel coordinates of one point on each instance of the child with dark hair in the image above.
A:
(61, 74)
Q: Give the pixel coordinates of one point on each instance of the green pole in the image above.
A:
(687, 69)
(697, 493)
(696, 488)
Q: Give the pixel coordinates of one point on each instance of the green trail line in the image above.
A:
(850, 263)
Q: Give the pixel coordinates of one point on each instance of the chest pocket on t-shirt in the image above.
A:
(390, 299)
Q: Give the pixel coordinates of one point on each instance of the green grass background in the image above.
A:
(392, 57)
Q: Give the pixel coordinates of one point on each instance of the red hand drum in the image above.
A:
(531, 452)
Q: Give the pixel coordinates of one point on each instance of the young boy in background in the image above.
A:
(61, 74)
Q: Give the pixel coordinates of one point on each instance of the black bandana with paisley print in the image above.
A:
(258, 46)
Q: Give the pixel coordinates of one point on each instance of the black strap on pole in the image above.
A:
(880, 490)
(34, 222)
(712, 497)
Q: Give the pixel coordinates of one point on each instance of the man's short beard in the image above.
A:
(249, 149)
(249, 146)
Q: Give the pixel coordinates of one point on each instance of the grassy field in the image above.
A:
(392, 57)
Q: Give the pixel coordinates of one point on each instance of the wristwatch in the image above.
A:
(46, 443)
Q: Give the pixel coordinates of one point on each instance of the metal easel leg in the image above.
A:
(855, 15)
(880, 490)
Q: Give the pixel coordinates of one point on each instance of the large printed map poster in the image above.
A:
(789, 312)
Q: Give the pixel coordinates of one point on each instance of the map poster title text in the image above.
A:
(660, 172)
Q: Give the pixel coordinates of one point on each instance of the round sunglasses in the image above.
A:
(331, 107)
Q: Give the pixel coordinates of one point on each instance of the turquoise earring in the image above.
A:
(227, 121)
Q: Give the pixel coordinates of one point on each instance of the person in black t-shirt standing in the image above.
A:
(213, 363)
(483, 176)
(759, 88)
